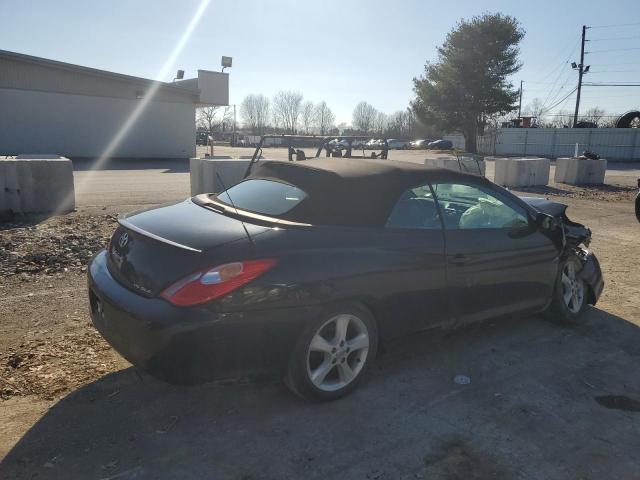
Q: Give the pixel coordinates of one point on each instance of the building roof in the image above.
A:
(5, 54)
(208, 88)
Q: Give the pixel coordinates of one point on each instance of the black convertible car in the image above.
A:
(304, 267)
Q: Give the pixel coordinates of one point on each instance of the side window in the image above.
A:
(467, 207)
(416, 209)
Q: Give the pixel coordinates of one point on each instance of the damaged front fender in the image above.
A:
(591, 274)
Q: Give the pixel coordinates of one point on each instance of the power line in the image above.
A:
(559, 67)
(616, 25)
(612, 84)
(553, 96)
(625, 95)
(615, 64)
(607, 39)
(613, 50)
(612, 71)
(559, 102)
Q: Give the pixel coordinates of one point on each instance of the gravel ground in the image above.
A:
(38, 259)
(55, 245)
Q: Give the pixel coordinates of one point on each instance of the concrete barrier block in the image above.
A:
(203, 173)
(461, 164)
(522, 172)
(37, 185)
(578, 171)
(195, 175)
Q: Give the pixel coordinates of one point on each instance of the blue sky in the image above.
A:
(339, 51)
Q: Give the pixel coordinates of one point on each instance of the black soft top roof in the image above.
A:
(346, 191)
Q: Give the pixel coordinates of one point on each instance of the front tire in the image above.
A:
(570, 295)
(333, 353)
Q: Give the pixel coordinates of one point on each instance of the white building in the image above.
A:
(59, 108)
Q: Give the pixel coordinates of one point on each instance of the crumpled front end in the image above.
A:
(577, 239)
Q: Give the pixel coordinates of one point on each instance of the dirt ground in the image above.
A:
(545, 400)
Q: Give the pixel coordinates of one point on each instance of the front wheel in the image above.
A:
(333, 353)
(570, 293)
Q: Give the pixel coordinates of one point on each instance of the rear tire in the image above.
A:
(333, 353)
(571, 293)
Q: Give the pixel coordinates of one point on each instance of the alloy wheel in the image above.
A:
(337, 352)
(572, 288)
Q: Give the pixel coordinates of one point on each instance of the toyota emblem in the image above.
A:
(124, 239)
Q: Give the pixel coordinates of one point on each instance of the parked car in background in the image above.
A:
(338, 143)
(374, 144)
(440, 145)
(419, 144)
(395, 144)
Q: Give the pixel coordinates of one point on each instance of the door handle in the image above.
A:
(459, 259)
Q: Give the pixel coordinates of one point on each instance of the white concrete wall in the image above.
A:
(83, 126)
(622, 144)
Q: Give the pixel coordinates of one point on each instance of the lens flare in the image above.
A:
(147, 98)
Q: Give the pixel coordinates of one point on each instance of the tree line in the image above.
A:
(287, 112)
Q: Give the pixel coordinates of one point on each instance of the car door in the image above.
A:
(498, 261)
(417, 285)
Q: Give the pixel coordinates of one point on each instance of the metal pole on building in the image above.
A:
(580, 73)
(520, 104)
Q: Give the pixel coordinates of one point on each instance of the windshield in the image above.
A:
(267, 197)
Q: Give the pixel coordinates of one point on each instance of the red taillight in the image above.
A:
(212, 283)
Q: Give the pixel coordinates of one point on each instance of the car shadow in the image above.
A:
(167, 165)
(532, 408)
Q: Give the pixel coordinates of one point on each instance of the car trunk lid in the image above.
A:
(153, 248)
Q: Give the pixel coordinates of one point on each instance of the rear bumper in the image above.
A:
(190, 345)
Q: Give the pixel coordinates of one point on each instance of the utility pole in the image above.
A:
(580, 73)
(520, 104)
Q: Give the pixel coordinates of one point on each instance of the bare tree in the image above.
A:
(254, 111)
(364, 117)
(307, 116)
(324, 118)
(401, 124)
(380, 122)
(206, 118)
(536, 109)
(286, 110)
(226, 121)
(593, 115)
